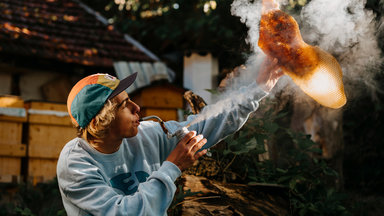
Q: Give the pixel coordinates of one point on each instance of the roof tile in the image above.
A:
(64, 31)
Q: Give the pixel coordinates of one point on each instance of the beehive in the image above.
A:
(12, 150)
(162, 100)
(49, 129)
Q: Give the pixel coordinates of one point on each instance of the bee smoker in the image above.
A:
(179, 134)
(166, 131)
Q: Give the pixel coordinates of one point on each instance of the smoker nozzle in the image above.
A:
(160, 121)
(151, 117)
(180, 133)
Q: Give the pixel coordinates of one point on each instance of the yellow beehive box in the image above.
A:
(163, 100)
(12, 117)
(49, 129)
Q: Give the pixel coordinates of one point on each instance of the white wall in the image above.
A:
(31, 83)
(200, 73)
(5, 83)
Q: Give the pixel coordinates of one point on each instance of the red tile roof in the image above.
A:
(62, 30)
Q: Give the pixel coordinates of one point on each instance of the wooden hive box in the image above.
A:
(49, 129)
(12, 150)
(162, 99)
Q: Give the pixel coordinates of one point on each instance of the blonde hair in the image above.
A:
(98, 128)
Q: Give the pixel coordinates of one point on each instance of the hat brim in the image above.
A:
(124, 84)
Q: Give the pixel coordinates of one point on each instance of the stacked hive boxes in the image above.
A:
(12, 150)
(163, 101)
(32, 135)
(49, 129)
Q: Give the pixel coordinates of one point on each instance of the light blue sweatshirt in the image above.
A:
(136, 180)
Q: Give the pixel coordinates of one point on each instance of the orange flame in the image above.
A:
(315, 71)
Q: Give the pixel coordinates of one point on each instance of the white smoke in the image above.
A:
(249, 13)
(343, 28)
(349, 32)
(238, 92)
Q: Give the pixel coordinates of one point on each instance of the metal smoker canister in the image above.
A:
(181, 133)
(184, 131)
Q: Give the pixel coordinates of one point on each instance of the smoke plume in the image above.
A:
(349, 32)
(344, 29)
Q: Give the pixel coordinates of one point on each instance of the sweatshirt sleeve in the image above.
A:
(225, 117)
(90, 193)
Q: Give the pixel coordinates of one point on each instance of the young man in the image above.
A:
(120, 166)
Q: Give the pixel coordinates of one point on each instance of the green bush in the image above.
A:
(28, 200)
(310, 182)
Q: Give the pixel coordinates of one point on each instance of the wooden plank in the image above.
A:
(13, 150)
(10, 167)
(164, 114)
(46, 141)
(160, 97)
(48, 119)
(10, 179)
(46, 106)
(12, 118)
(41, 170)
(10, 132)
(11, 101)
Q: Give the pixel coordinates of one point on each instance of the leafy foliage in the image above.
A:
(180, 195)
(28, 200)
(171, 28)
(364, 173)
(308, 178)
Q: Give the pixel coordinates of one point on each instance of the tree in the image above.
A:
(172, 27)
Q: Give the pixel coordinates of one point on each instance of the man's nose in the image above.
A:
(136, 107)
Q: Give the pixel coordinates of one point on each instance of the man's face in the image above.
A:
(127, 118)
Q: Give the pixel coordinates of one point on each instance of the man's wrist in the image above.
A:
(172, 169)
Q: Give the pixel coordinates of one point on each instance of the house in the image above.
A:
(46, 46)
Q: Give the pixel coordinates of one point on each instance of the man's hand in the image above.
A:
(269, 74)
(185, 154)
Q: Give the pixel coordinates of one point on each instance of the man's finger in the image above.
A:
(280, 72)
(187, 137)
(198, 146)
(200, 153)
(194, 141)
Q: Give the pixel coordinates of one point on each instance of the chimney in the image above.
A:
(200, 73)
